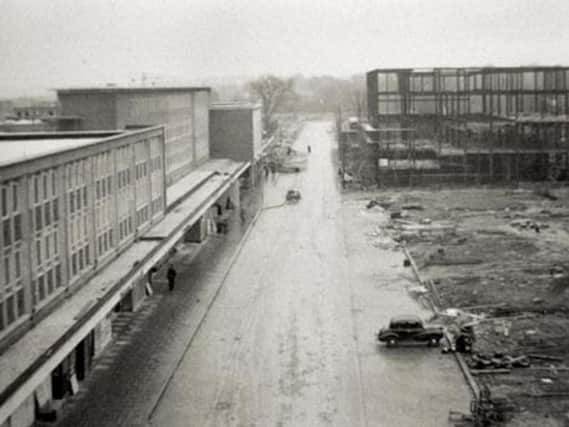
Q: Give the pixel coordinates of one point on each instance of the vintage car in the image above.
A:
(293, 195)
(409, 328)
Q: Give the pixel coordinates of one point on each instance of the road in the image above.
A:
(289, 340)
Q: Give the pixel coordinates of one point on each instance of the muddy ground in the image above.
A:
(501, 256)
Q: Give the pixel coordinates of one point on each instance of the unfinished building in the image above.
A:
(464, 125)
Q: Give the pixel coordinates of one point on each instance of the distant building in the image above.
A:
(236, 131)
(470, 125)
(182, 110)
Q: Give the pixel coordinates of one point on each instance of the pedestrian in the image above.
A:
(309, 149)
(171, 276)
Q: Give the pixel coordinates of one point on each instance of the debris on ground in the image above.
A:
(492, 263)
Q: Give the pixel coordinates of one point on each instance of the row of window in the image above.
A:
(103, 188)
(9, 198)
(46, 214)
(11, 308)
(141, 170)
(12, 230)
(80, 260)
(78, 199)
(142, 215)
(44, 185)
(125, 228)
(460, 81)
(123, 178)
(47, 283)
(12, 267)
(47, 247)
(105, 242)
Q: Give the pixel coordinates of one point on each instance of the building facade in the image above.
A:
(66, 212)
(183, 111)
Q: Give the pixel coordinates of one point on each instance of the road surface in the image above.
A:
(289, 340)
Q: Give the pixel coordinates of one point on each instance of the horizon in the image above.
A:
(95, 44)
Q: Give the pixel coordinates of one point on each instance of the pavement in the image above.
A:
(129, 375)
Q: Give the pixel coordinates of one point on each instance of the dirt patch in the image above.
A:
(499, 254)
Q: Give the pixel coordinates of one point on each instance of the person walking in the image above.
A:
(309, 149)
(171, 276)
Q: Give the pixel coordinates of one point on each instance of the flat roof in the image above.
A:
(234, 106)
(18, 147)
(126, 89)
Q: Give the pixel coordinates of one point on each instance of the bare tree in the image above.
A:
(273, 92)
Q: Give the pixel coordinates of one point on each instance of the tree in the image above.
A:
(273, 92)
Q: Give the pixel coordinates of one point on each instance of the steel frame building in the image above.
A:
(485, 124)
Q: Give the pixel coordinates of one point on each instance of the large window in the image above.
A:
(12, 305)
(387, 82)
(43, 190)
(104, 219)
(389, 104)
(77, 209)
(125, 191)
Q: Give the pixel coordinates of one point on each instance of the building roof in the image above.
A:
(133, 89)
(234, 106)
(19, 147)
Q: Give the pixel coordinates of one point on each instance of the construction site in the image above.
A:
(485, 226)
(466, 125)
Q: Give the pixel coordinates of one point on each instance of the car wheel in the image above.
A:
(392, 342)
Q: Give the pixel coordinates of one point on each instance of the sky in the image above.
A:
(48, 44)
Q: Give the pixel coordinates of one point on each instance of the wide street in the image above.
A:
(290, 339)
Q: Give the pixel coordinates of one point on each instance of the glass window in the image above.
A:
(36, 189)
(45, 190)
(6, 270)
(7, 232)
(21, 306)
(38, 252)
(10, 314)
(85, 196)
(55, 206)
(17, 228)
(41, 287)
(17, 265)
(38, 218)
(58, 282)
(15, 198)
(4, 201)
(1, 315)
(47, 213)
(50, 285)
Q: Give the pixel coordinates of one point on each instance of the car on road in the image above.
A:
(293, 195)
(409, 328)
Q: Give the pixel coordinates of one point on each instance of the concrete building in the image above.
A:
(236, 132)
(87, 215)
(183, 111)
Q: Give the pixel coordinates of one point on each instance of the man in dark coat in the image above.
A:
(171, 276)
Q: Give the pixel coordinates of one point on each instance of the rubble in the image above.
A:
(493, 260)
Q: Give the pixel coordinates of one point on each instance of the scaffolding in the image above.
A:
(485, 124)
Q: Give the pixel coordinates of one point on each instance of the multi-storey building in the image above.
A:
(69, 203)
(182, 110)
(473, 124)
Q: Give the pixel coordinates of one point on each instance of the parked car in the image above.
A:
(409, 328)
(293, 195)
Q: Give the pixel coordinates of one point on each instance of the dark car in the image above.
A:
(293, 195)
(409, 328)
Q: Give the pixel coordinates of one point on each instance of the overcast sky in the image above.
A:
(55, 43)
